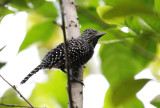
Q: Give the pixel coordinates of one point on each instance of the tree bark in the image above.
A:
(73, 31)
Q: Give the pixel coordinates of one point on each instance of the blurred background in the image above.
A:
(123, 73)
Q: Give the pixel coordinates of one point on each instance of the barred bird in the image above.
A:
(80, 51)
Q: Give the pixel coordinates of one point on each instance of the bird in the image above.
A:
(80, 51)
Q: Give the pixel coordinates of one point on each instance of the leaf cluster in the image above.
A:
(123, 54)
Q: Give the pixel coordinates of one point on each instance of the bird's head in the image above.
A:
(92, 36)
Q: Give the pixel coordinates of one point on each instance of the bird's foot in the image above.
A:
(77, 80)
(74, 78)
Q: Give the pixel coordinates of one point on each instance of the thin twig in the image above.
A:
(16, 105)
(113, 41)
(66, 55)
(58, 24)
(2, 48)
(14, 87)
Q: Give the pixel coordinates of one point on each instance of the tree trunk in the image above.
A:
(73, 31)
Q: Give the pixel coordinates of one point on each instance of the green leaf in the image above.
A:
(132, 102)
(10, 97)
(123, 10)
(156, 101)
(157, 5)
(143, 23)
(115, 2)
(153, 21)
(2, 48)
(87, 19)
(124, 95)
(102, 10)
(3, 2)
(88, 3)
(19, 4)
(127, 90)
(47, 9)
(37, 3)
(121, 61)
(38, 33)
(133, 23)
(2, 64)
(111, 36)
(155, 65)
(4, 11)
(51, 93)
(126, 63)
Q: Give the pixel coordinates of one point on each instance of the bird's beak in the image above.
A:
(100, 34)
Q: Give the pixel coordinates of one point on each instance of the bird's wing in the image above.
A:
(53, 57)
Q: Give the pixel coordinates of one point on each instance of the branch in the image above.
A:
(113, 41)
(72, 25)
(73, 31)
(16, 105)
(66, 55)
(14, 87)
(2, 48)
(55, 22)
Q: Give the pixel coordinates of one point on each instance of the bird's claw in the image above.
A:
(77, 80)
(84, 66)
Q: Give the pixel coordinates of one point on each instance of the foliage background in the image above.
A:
(123, 54)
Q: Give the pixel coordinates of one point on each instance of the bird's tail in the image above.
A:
(39, 67)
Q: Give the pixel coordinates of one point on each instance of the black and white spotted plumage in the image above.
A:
(80, 50)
